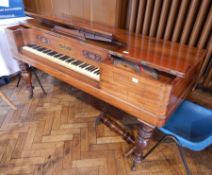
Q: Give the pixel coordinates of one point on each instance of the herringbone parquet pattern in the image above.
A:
(56, 135)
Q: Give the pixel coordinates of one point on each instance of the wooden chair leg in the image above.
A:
(7, 100)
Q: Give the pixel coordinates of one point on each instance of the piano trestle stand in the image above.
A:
(143, 76)
(31, 70)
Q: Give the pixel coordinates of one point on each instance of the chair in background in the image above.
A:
(189, 127)
(7, 100)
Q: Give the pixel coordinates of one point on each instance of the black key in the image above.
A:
(41, 49)
(91, 70)
(84, 65)
(81, 63)
(47, 51)
(52, 53)
(64, 58)
(96, 72)
(70, 60)
(58, 55)
(55, 53)
(35, 46)
(90, 67)
(74, 62)
(44, 50)
(77, 62)
(94, 69)
(38, 47)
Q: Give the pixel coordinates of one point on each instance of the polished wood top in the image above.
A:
(170, 57)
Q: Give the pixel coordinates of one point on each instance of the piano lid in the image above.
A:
(162, 55)
(173, 58)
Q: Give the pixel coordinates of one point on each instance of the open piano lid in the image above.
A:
(165, 56)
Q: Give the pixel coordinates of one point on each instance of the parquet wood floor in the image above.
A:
(56, 135)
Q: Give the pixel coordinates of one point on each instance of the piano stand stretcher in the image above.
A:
(139, 144)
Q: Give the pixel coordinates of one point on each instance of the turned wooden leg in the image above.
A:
(141, 142)
(144, 135)
(27, 76)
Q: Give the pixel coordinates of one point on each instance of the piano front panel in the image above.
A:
(68, 46)
(144, 92)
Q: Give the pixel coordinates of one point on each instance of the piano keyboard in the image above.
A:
(66, 61)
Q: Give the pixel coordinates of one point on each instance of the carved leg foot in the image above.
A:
(27, 76)
(144, 134)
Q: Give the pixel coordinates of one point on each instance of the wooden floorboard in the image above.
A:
(56, 135)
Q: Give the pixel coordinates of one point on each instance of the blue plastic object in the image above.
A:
(191, 125)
